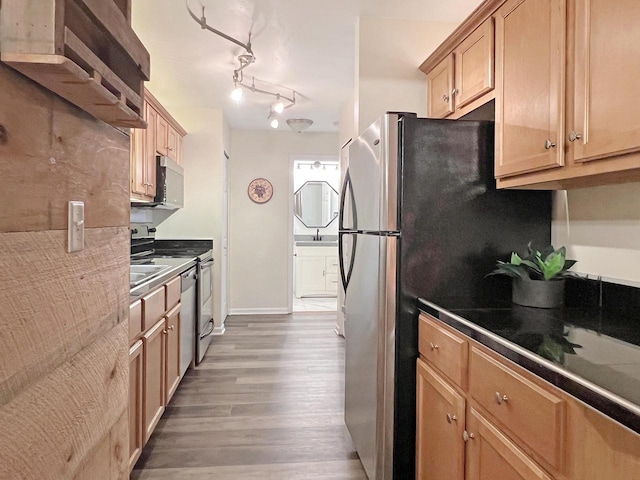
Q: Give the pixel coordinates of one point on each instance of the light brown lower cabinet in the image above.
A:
(505, 423)
(154, 357)
(172, 327)
(135, 402)
(154, 376)
(441, 421)
(491, 455)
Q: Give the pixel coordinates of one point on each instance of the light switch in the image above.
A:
(75, 227)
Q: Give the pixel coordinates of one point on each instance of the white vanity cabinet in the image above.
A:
(317, 271)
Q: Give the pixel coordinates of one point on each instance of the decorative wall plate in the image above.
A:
(260, 190)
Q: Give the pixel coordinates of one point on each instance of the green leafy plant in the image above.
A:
(548, 264)
(554, 347)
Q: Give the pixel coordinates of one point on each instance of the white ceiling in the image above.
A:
(307, 46)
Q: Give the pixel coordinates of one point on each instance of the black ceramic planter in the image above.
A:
(538, 293)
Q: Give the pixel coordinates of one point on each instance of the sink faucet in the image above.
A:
(317, 237)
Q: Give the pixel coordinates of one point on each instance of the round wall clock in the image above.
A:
(260, 190)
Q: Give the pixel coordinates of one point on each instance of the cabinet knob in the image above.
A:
(454, 92)
(165, 332)
(468, 436)
(549, 144)
(434, 346)
(445, 98)
(573, 136)
(501, 398)
(172, 328)
(451, 418)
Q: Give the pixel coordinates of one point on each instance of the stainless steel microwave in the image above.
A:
(169, 186)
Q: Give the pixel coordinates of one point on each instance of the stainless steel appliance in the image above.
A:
(205, 328)
(188, 313)
(420, 217)
(169, 185)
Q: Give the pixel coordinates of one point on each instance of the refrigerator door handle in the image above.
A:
(347, 189)
(345, 274)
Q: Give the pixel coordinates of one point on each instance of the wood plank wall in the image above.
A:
(63, 317)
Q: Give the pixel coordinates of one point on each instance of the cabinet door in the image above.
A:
(179, 150)
(135, 403)
(154, 385)
(173, 352)
(440, 416)
(172, 143)
(607, 69)
(474, 65)
(530, 66)
(310, 276)
(162, 135)
(137, 158)
(440, 101)
(491, 455)
(150, 152)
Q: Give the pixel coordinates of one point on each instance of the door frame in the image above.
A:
(291, 245)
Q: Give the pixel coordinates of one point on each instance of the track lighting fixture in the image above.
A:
(245, 60)
(273, 120)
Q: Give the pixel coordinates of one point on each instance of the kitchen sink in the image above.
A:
(141, 273)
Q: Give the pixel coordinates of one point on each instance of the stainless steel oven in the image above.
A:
(205, 306)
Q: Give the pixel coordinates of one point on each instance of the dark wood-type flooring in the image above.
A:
(266, 403)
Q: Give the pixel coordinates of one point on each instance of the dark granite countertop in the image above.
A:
(590, 352)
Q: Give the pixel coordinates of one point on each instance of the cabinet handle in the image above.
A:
(454, 92)
(468, 436)
(165, 332)
(172, 328)
(451, 418)
(501, 398)
(445, 98)
(323, 273)
(573, 136)
(434, 346)
(549, 144)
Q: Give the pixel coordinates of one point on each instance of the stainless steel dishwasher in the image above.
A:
(187, 319)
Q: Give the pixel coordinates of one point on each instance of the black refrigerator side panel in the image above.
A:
(454, 226)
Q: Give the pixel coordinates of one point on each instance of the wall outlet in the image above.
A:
(75, 228)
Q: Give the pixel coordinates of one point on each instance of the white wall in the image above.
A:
(261, 235)
(202, 215)
(601, 228)
(389, 52)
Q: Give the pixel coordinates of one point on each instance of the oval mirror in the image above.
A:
(316, 204)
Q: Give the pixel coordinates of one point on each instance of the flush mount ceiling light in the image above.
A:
(245, 60)
(299, 124)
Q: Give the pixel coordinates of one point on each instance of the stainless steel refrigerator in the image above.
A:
(420, 217)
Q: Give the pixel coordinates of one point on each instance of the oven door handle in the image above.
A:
(207, 264)
(205, 335)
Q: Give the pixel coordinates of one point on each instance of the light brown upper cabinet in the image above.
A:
(474, 64)
(463, 79)
(530, 86)
(163, 136)
(440, 95)
(600, 136)
(606, 120)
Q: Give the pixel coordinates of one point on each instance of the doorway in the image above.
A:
(314, 274)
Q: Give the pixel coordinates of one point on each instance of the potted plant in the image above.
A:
(538, 277)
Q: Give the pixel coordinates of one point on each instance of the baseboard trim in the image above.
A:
(258, 311)
(218, 330)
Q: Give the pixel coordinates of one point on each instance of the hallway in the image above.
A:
(266, 403)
